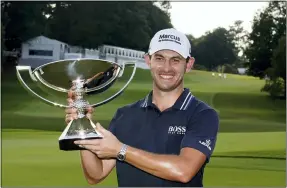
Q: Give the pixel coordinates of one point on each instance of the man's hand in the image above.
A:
(71, 113)
(106, 147)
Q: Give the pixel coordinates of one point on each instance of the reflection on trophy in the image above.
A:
(89, 79)
(101, 77)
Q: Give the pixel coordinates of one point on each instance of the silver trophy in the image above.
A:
(89, 79)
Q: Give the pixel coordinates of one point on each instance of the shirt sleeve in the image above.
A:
(202, 132)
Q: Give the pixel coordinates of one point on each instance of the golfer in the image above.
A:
(165, 139)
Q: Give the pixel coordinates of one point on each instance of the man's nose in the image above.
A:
(166, 65)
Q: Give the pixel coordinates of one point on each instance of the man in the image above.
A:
(109, 73)
(94, 81)
(102, 78)
(165, 139)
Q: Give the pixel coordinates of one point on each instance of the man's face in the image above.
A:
(167, 69)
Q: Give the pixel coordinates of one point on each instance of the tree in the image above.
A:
(268, 26)
(279, 59)
(87, 24)
(22, 21)
(214, 49)
(166, 6)
(276, 86)
(157, 19)
(238, 36)
(2, 46)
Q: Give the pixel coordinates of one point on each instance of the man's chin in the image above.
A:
(166, 88)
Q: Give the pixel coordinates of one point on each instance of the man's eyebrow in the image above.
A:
(176, 57)
(158, 55)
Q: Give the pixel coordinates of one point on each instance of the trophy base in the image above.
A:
(78, 129)
(68, 143)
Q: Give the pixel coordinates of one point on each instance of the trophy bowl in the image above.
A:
(88, 79)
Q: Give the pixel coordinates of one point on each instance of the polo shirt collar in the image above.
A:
(181, 103)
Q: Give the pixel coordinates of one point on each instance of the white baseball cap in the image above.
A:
(170, 39)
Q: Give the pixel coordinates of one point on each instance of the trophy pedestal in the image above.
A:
(68, 144)
(78, 129)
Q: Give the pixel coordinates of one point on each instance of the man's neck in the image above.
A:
(164, 100)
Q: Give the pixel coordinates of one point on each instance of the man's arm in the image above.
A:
(95, 169)
(94, 77)
(179, 168)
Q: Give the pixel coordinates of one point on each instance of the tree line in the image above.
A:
(132, 24)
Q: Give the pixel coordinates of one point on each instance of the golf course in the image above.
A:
(250, 150)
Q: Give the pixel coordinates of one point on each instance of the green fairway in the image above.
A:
(250, 150)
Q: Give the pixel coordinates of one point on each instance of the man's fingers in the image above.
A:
(70, 117)
(88, 142)
(70, 101)
(89, 116)
(100, 128)
(95, 149)
(90, 109)
(71, 94)
(71, 110)
(71, 113)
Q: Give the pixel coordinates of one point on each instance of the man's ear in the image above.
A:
(190, 63)
(147, 59)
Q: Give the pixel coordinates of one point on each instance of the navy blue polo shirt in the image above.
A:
(188, 123)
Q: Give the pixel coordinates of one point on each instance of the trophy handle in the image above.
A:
(121, 90)
(25, 70)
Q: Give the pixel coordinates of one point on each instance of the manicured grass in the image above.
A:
(250, 150)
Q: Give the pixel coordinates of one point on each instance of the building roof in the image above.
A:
(41, 37)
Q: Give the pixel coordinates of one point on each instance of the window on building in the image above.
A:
(41, 52)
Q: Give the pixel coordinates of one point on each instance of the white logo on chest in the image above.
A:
(176, 129)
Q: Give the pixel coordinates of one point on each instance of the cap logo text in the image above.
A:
(171, 38)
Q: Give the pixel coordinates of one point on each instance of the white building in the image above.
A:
(41, 50)
(241, 71)
(121, 55)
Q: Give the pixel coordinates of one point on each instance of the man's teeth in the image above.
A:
(166, 76)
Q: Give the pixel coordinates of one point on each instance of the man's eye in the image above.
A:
(176, 60)
(159, 58)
